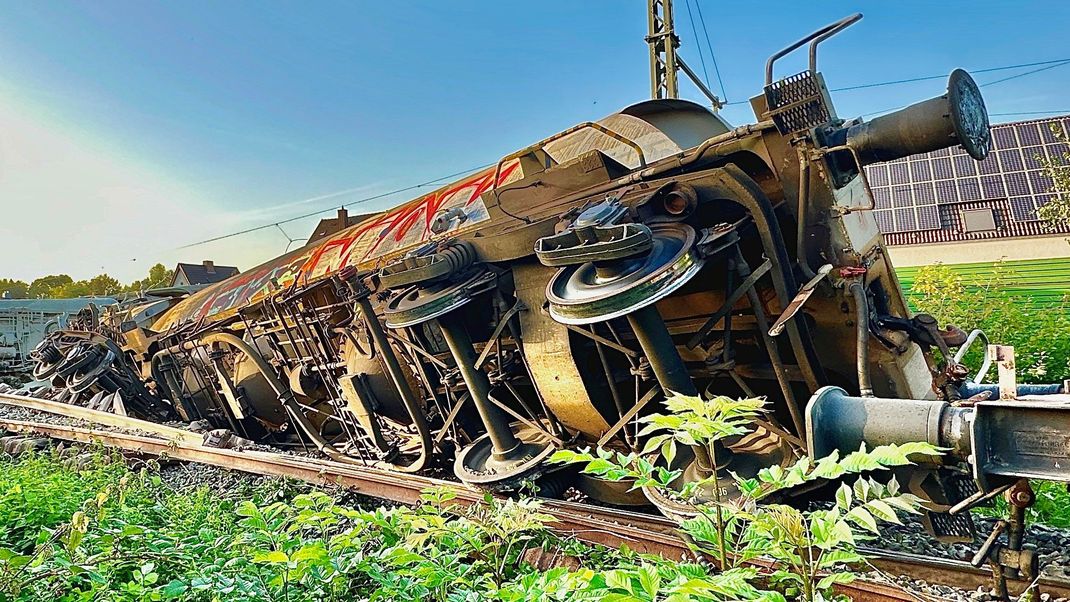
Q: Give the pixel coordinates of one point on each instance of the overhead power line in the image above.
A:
(986, 84)
(1045, 65)
(1054, 63)
(1005, 79)
(1042, 66)
(698, 44)
(713, 56)
(278, 224)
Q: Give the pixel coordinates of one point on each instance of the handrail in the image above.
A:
(817, 37)
(965, 347)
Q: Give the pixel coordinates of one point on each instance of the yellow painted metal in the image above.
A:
(546, 348)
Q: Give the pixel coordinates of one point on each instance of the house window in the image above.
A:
(978, 220)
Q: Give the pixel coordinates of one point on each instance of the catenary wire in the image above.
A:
(326, 209)
(713, 56)
(698, 43)
(986, 84)
(1043, 66)
(1047, 65)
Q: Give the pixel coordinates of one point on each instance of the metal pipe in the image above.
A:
(865, 387)
(804, 206)
(464, 354)
(832, 30)
(617, 401)
(660, 351)
(970, 389)
(744, 191)
(695, 79)
(817, 37)
(408, 397)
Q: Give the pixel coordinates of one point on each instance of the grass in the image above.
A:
(1052, 506)
(112, 534)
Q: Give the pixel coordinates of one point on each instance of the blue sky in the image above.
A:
(135, 127)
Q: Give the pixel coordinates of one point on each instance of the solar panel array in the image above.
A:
(915, 193)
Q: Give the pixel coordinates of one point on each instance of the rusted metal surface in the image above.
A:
(98, 417)
(955, 573)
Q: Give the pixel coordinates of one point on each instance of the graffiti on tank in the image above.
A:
(388, 234)
(252, 286)
(404, 227)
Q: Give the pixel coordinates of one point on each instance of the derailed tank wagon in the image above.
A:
(551, 300)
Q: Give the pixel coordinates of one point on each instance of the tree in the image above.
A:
(43, 287)
(79, 288)
(1057, 211)
(158, 276)
(16, 289)
(62, 286)
(104, 284)
(1040, 334)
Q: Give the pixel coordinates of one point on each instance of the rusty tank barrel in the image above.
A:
(956, 117)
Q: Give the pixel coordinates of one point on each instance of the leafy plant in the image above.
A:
(135, 539)
(1057, 211)
(116, 535)
(1040, 335)
(807, 545)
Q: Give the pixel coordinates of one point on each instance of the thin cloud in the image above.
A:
(260, 213)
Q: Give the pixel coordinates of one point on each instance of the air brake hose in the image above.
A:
(865, 386)
(744, 191)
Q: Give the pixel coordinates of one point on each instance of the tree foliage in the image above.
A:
(1057, 211)
(62, 286)
(1040, 335)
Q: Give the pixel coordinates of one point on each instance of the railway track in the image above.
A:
(612, 527)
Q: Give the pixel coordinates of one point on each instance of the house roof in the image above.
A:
(921, 199)
(330, 225)
(199, 273)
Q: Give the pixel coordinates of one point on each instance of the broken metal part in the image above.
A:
(800, 299)
(225, 439)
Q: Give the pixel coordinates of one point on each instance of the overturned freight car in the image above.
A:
(551, 300)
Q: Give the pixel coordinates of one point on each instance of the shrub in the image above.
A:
(808, 546)
(1040, 335)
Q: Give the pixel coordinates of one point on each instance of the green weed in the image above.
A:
(809, 547)
(123, 536)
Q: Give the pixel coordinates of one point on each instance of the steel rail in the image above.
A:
(99, 417)
(643, 533)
